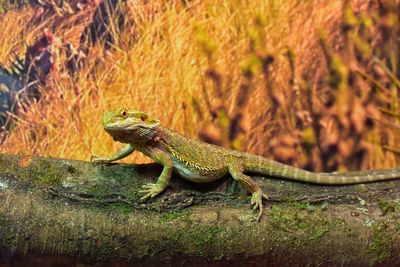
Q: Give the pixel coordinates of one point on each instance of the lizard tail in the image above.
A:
(263, 166)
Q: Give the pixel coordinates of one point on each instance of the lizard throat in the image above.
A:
(137, 135)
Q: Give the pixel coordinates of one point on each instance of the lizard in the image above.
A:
(200, 162)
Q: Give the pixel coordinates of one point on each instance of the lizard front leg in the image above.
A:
(153, 189)
(126, 151)
(251, 186)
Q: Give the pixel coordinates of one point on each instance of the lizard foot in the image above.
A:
(257, 202)
(151, 190)
(97, 159)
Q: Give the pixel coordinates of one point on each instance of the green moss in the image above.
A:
(204, 235)
(381, 244)
(386, 206)
(172, 215)
(44, 173)
(350, 232)
(8, 166)
(361, 188)
(121, 208)
(308, 221)
(197, 238)
(38, 172)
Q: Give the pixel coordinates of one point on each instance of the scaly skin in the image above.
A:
(202, 162)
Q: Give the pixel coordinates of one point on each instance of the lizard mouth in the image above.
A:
(120, 126)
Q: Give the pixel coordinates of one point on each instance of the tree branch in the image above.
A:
(63, 211)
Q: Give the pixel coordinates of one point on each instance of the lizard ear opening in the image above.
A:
(144, 117)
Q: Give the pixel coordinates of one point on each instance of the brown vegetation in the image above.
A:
(313, 84)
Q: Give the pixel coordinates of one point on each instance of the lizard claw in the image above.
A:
(256, 201)
(150, 190)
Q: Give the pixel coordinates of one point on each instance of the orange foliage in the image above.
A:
(175, 63)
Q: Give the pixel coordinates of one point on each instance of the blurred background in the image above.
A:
(313, 84)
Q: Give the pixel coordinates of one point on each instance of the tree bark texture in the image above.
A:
(57, 211)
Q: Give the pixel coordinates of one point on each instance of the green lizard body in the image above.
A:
(202, 162)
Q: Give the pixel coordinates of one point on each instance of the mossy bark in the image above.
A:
(55, 211)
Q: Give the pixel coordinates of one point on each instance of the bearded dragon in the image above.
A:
(201, 162)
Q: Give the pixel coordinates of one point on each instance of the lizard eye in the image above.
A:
(123, 113)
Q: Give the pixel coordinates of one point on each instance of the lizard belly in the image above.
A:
(197, 175)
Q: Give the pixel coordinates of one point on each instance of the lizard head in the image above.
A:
(129, 126)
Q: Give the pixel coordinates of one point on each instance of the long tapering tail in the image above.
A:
(263, 166)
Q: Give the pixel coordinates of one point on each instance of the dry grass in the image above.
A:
(162, 69)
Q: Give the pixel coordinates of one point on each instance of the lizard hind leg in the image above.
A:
(257, 194)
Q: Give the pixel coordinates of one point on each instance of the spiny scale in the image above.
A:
(189, 163)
